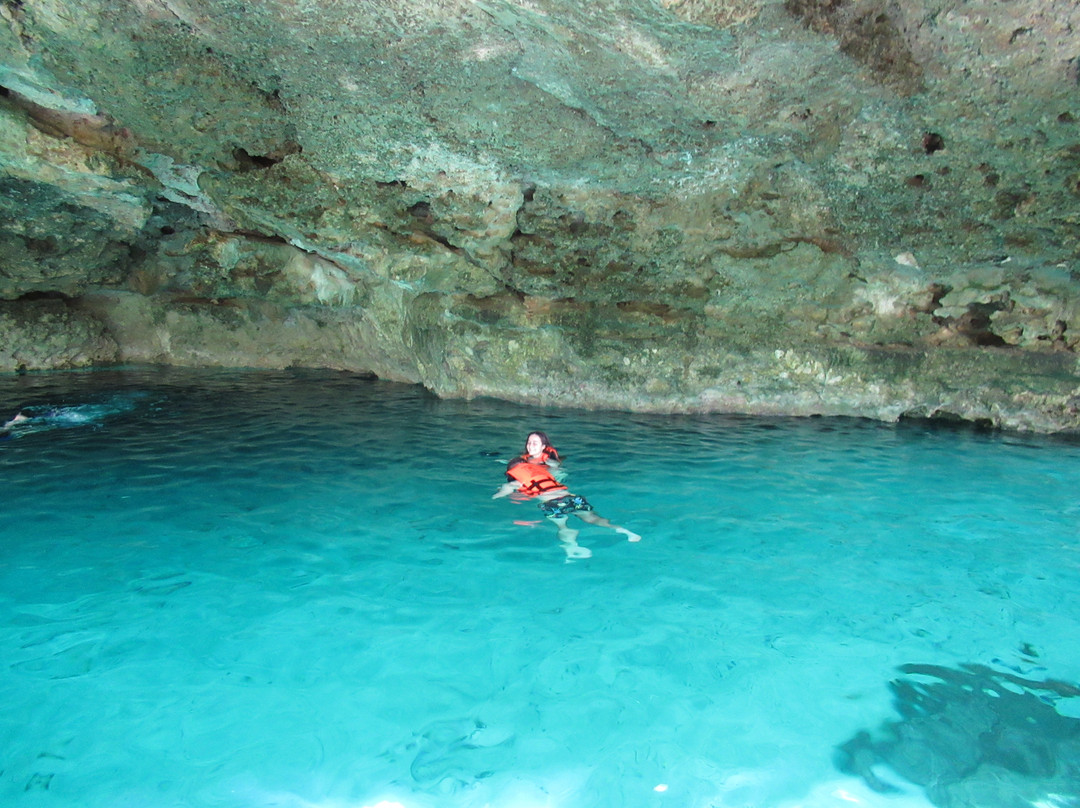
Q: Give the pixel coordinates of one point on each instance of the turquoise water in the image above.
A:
(294, 589)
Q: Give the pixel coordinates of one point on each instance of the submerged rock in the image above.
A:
(972, 737)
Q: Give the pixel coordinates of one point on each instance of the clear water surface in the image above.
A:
(293, 589)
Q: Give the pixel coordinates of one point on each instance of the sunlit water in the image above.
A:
(294, 589)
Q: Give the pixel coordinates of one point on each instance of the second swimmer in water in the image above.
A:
(557, 503)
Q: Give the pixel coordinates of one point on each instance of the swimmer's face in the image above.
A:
(533, 445)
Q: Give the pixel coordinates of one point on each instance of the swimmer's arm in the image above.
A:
(505, 489)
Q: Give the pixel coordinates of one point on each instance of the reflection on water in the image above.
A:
(974, 737)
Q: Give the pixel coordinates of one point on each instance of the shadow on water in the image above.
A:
(974, 737)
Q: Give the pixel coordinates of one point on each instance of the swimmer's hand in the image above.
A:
(504, 490)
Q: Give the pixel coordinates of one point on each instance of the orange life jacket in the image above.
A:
(534, 479)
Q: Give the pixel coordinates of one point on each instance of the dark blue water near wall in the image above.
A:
(294, 589)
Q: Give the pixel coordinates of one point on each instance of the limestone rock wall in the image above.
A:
(863, 208)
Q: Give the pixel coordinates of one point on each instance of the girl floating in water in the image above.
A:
(556, 502)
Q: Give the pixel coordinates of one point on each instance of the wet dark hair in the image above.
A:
(542, 435)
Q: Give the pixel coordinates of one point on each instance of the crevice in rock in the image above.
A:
(936, 292)
(445, 242)
(43, 246)
(252, 162)
(946, 419)
(263, 238)
(932, 142)
(46, 294)
(245, 161)
(973, 327)
(422, 212)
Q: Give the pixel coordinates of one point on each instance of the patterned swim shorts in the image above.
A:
(564, 506)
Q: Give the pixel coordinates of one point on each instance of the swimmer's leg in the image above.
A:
(593, 518)
(568, 538)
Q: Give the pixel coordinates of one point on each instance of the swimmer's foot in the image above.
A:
(577, 551)
(630, 535)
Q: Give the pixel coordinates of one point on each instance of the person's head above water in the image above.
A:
(537, 442)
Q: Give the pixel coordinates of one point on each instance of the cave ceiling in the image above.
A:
(809, 207)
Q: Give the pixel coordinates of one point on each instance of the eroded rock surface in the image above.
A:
(812, 207)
